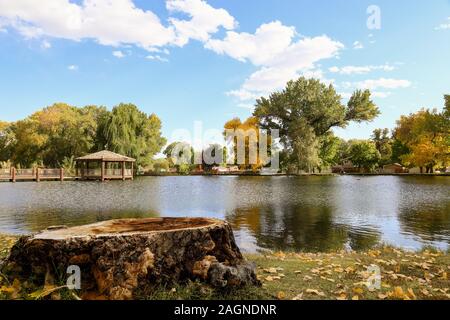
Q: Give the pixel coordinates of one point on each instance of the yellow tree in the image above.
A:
(426, 135)
(248, 135)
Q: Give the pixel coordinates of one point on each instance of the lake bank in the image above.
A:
(342, 275)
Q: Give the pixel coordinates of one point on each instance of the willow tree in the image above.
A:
(129, 131)
(305, 111)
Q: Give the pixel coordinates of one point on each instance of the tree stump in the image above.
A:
(119, 257)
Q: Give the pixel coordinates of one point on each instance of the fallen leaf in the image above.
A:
(315, 292)
(298, 297)
(342, 297)
(281, 295)
(382, 296)
(358, 290)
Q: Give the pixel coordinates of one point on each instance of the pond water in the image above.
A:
(289, 213)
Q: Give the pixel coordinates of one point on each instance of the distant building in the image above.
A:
(394, 168)
(346, 167)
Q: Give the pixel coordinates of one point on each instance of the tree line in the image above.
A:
(53, 136)
(305, 113)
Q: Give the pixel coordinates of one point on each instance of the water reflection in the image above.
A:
(304, 213)
(301, 228)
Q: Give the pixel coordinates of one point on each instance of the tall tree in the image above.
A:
(308, 109)
(250, 135)
(383, 143)
(129, 131)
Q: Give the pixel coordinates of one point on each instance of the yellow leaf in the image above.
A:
(399, 293)
(7, 289)
(382, 296)
(342, 297)
(355, 298)
(358, 290)
(281, 295)
(315, 292)
(425, 292)
(269, 278)
(349, 270)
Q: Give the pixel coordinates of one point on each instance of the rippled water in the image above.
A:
(301, 213)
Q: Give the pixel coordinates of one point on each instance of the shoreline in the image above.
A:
(341, 275)
(74, 179)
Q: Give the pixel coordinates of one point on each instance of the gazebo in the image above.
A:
(105, 165)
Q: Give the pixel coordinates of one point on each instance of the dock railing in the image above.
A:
(34, 174)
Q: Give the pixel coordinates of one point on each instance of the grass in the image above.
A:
(340, 275)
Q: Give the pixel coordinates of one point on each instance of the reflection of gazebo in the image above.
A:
(105, 165)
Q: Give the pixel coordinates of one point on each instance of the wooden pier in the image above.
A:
(103, 165)
(35, 174)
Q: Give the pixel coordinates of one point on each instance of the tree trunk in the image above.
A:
(118, 258)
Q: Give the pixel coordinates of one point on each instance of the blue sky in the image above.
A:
(194, 60)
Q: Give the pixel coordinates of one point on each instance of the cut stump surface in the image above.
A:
(118, 258)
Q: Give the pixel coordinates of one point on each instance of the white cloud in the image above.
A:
(358, 45)
(348, 70)
(444, 26)
(118, 54)
(269, 41)
(46, 45)
(281, 57)
(373, 84)
(112, 23)
(72, 67)
(157, 57)
(204, 20)
(380, 94)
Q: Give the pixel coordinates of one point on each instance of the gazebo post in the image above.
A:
(132, 170)
(103, 171)
(123, 170)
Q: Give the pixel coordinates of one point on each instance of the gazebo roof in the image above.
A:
(106, 155)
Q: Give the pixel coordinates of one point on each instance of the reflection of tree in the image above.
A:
(301, 228)
(431, 224)
(362, 239)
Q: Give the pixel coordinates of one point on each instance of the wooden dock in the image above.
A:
(44, 174)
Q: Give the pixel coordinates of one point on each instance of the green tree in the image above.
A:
(364, 154)
(329, 150)
(213, 151)
(160, 165)
(305, 111)
(383, 143)
(178, 153)
(129, 131)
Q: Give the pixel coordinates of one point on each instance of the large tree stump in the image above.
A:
(118, 257)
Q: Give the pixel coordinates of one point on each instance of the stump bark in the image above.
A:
(118, 258)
